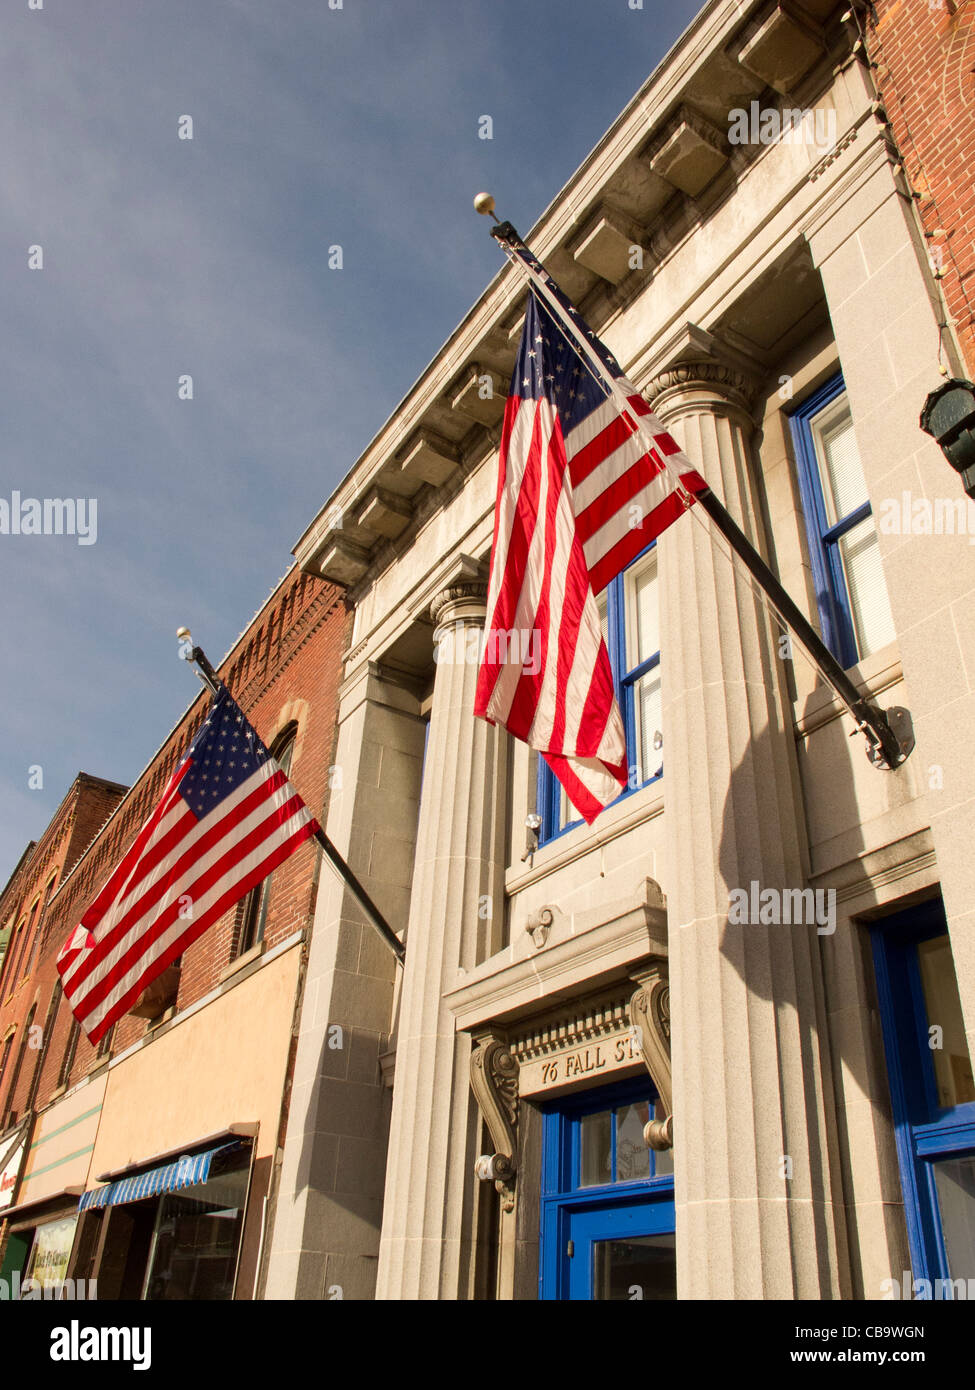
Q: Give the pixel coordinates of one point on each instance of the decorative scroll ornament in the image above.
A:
(494, 1081)
(539, 925)
(650, 1017)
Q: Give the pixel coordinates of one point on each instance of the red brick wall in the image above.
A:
(284, 669)
(924, 52)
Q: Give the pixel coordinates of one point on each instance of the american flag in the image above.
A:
(580, 495)
(226, 819)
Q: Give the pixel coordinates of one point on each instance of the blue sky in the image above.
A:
(312, 126)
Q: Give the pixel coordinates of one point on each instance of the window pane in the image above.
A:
(952, 1064)
(955, 1181)
(596, 1133)
(844, 486)
(859, 552)
(602, 604)
(647, 707)
(645, 1262)
(284, 757)
(643, 626)
(632, 1154)
(198, 1230)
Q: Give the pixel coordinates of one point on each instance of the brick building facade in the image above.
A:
(228, 1007)
(923, 52)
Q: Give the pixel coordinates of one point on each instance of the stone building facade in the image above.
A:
(575, 998)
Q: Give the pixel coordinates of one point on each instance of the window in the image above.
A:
(253, 911)
(932, 1093)
(11, 1112)
(105, 1045)
(196, 1238)
(52, 1012)
(629, 614)
(854, 609)
(67, 1061)
(607, 1208)
(4, 1059)
(11, 959)
(35, 944)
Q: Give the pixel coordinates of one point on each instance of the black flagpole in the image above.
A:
(889, 733)
(211, 680)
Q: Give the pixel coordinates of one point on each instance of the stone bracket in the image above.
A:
(494, 1082)
(650, 1018)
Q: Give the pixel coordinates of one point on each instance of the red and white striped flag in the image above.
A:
(226, 819)
(580, 495)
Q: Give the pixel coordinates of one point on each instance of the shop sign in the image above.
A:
(9, 1173)
(52, 1251)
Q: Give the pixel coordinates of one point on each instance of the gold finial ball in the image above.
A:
(183, 633)
(484, 204)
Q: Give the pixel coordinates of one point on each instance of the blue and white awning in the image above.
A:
(187, 1171)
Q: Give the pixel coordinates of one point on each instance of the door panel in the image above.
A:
(622, 1251)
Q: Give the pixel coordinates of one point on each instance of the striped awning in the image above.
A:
(187, 1171)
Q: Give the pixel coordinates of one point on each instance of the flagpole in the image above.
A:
(889, 733)
(212, 681)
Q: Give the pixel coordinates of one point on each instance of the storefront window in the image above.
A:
(197, 1237)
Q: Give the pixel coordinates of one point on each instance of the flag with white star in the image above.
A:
(582, 491)
(226, 819)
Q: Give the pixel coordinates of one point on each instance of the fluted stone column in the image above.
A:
(455, 921)
(755, 1211)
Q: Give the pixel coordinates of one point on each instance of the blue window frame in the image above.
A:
(850, 591)
(932, 1091)
(607, 1205)
(630, 618)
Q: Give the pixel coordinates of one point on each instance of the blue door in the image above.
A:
(607, 1209)
(932, 1096)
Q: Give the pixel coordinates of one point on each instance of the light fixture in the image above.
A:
(949, 417)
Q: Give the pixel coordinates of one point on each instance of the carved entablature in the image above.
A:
(584, 1041)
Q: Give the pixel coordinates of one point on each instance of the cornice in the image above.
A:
(619, 179)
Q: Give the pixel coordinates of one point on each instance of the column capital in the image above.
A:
(697, 371)
(465, 602)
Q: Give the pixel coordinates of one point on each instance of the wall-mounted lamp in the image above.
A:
(949, 417)
(533, 824)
